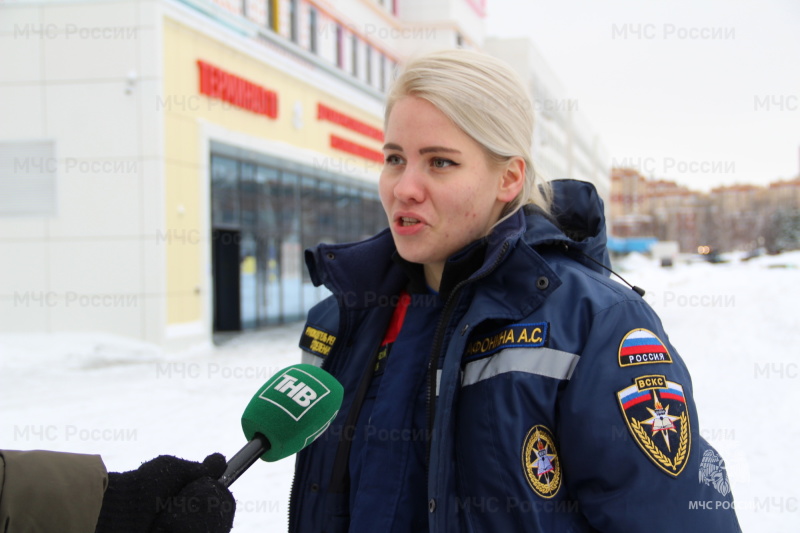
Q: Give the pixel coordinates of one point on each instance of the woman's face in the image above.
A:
(438, 188)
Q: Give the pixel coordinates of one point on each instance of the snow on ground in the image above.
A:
(129, 403)
(735, 324)
(737, 327)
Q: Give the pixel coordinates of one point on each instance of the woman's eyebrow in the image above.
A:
(426, 150)
(429, 149)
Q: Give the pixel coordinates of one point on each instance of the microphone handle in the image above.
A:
(245, 457)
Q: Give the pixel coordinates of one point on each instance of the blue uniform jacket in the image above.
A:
(557, 403)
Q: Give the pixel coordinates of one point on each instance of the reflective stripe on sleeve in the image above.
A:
(540, 361)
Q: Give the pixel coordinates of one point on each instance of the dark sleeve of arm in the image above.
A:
(615, 454)
(50, 491)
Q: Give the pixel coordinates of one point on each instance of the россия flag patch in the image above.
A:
(641, 347)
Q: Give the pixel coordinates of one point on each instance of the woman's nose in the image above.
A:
(410, 185)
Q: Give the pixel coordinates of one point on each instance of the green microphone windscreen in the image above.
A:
(292, 409)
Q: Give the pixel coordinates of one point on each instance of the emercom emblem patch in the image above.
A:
(655, 411)
(540, 462)
(641, 347)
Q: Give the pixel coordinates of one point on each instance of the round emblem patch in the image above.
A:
(540, 462)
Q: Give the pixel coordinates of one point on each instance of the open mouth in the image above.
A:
(408, 221)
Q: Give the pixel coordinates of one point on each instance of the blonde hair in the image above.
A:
(487, 100)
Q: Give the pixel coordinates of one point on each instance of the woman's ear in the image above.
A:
(512, 179)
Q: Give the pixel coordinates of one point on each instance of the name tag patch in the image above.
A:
(514, 336)
(317, 341)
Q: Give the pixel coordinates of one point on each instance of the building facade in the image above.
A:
(164, 163)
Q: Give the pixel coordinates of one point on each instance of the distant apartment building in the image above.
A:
(784, 194)
(629, 209)
(727, 218)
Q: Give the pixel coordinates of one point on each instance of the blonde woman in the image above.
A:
(495, 378)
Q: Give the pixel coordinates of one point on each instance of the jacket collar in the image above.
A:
(361, 273)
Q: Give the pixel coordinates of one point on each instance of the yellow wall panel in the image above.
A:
(181, 142)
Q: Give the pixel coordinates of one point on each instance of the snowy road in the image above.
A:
(736, 325)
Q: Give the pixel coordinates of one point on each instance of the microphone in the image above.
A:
(288, 412)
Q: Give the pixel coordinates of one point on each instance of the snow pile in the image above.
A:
(735, 324)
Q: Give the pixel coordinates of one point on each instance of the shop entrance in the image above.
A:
(225, 259)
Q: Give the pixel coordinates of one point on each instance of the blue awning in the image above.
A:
(622, 245)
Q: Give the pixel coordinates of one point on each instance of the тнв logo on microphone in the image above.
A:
(297, 392)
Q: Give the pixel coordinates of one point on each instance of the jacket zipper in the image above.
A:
(292, 496)
(433, 363)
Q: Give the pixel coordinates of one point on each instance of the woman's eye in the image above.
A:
(439, 162)
(393, 159)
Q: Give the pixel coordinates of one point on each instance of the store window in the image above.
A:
(272, 12)
(382, 75)
(268, 211)
(294, 17)
(369, 65)
(225, 185)
(339, 46)
(354, 54)
(312, 29)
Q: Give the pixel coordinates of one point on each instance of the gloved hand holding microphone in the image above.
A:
(169, 494)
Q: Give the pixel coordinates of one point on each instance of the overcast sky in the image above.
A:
(704, 92)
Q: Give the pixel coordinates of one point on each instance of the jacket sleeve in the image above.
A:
(50, 491)
(629, 433)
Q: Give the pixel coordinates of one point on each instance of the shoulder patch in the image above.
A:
(540, 462)
(655, 411)
(513, 336)
(641, 347)
(317, 341)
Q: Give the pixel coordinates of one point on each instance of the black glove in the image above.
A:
(167, 494)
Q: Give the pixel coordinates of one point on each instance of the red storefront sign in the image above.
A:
(353, 124)
(350, 147)
(337, 117)
(216, 83)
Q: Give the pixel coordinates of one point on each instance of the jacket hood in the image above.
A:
(577, 222)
